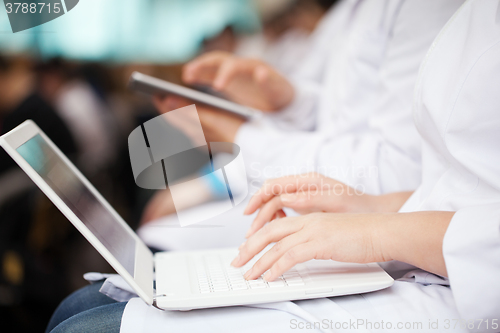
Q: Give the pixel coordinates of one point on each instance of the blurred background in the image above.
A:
(70, 76)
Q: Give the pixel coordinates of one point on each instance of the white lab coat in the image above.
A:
(353, 100)
(456, 112)
(353, 106)
(282, 54)
(458, 104)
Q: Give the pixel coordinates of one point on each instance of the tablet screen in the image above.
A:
(84, 204)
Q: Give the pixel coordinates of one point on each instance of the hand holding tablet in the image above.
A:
(151, 85)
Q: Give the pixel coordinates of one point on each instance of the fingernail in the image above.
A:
(242, 244)
(235, 260)
(268, 276)
(288, 197)
(247, 274)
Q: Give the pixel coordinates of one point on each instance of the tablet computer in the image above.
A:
(151, 85)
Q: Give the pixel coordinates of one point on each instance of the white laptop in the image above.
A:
(184, 280)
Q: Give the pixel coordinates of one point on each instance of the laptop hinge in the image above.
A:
(156, 306)
(154, 301)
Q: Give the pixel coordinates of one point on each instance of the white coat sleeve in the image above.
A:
(300, 114)
(308, 78)
(471, 245)
(353, 159)
(471, 250)
(384, 156)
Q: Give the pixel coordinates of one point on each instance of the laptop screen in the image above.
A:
(85, 205)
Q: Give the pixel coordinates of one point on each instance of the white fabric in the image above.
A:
(458, 104)
(114, 286)
(283, 54)
(405, 303)
(355, 94)
(456, 111)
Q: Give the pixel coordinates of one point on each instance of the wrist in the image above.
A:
(286, 97)
(387, 203)
(371, 204)
(414, 238)
(383, 236)
(230, 134)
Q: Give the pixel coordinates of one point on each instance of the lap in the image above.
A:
(406, 306)
(405, 303)
(104, 318)
(81, 306)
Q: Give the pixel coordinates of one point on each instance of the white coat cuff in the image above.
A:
(471, 249)
(300, 114)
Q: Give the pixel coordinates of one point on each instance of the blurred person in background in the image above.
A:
(287, 33)
(37, 245)
(85, 112)
(84, 96)
(20, 101)
(34, 236)
(344, 112)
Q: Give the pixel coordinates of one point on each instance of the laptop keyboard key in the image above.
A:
(276, 284)
(239, 286)
(215, 275)
(221, 288)
(258, 286)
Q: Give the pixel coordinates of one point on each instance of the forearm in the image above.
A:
(388, 203)
(415, 238)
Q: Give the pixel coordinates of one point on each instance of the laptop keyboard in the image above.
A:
(216, 275)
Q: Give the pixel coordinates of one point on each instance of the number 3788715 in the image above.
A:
(33, 8)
